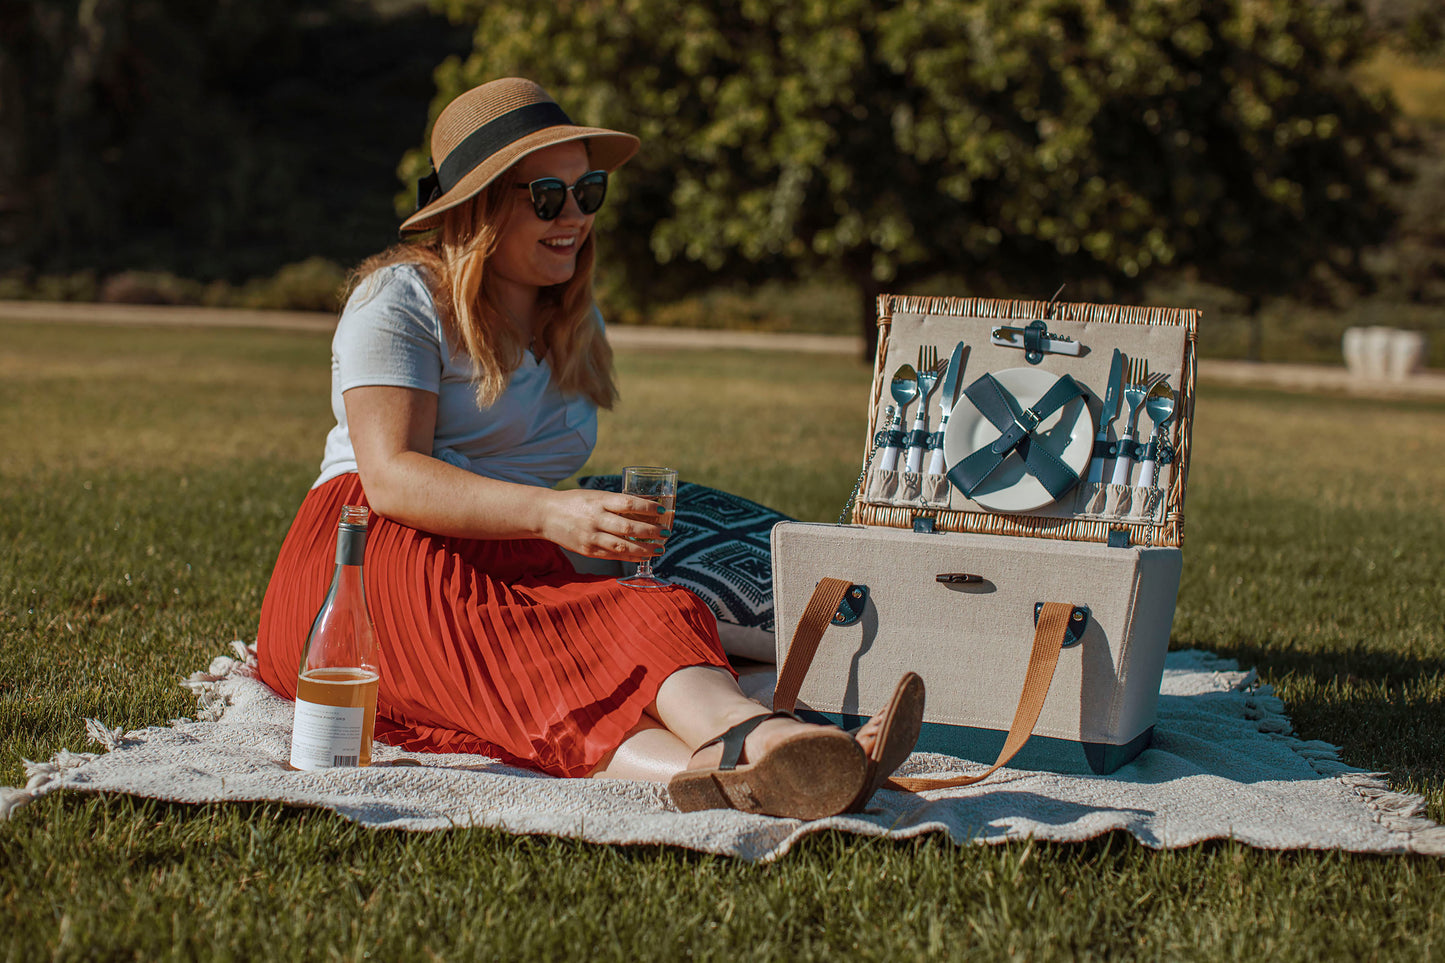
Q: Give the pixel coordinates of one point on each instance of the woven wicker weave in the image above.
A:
(1168, 532)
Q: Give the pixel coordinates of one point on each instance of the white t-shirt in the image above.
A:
(390, 334)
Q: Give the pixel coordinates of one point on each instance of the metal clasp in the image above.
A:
(850, 610)
(1078, 622)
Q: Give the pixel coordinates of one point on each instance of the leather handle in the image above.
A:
(1043, 659)
(1049, 634)
(816, 619)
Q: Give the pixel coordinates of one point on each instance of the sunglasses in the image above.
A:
(549, 194)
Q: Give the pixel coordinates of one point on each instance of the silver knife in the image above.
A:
(946, 402)
(1109, 412)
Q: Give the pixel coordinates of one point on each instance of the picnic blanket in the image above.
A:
(1223, 764)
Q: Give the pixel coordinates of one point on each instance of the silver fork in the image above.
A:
(1137, 387)
(929, 370)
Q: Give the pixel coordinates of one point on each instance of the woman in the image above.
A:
(466, 372)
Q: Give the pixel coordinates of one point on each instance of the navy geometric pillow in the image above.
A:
(719, 549)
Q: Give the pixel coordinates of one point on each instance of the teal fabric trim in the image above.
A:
(982, 745)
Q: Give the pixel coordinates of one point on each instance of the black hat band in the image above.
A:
(485, 141)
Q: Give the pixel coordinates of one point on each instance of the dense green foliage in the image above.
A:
(213, 140)
(169, 152)
(1022, 142)
(148, 477)
(1417, 26)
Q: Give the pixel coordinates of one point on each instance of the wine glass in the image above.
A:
(658, 485)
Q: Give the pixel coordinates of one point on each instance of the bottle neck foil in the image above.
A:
(350, 544)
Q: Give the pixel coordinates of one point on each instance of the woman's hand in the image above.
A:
(601, 524)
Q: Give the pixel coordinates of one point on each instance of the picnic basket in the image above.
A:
(992, 593)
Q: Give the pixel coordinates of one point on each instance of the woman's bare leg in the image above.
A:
(701, 702)
(650, 752)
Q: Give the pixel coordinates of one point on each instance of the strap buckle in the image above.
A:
(1031, 416)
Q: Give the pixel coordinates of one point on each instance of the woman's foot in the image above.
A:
(775, 765)
(889, 737)
(768, 735)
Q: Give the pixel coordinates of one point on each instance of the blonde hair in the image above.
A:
(453, 260)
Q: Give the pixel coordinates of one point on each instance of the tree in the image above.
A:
(1017, 143)
(219, 139)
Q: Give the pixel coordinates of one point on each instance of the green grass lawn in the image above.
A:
(147, 477)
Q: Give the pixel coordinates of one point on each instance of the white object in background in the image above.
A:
(1407, 354)
(1352, 345)
(1375, 353)
(1379, 353)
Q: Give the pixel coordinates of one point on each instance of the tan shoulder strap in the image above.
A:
(1049, 637)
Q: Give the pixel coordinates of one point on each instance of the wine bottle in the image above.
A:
(340, 669)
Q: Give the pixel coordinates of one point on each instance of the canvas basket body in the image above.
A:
(951, 587)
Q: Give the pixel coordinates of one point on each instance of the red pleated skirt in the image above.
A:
(491, 647)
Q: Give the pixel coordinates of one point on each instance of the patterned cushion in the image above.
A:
(719, 549)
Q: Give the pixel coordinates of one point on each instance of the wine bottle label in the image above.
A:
(323, 737)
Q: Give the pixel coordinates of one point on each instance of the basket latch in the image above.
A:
(1034, 341)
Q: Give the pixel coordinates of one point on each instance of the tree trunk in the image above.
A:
(1254, 350)
(14, 143)
(868, 291)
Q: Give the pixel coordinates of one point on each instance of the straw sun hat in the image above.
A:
(488, 129)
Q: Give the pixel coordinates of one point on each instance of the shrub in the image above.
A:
(311, 285)
(150, 287)
(80, 286)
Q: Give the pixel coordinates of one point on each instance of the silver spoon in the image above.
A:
(1134, 395)
(904, 389)
(1159, 406)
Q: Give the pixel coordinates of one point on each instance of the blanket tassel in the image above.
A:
(41, 778)
(1399, 812)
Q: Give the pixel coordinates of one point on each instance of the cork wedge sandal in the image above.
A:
(900, 723)
(810, 775)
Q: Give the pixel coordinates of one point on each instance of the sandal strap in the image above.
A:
(732, 740)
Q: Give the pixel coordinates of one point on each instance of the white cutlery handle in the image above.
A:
(1146, 473)
(1122, 464)
(935, 462)
(890, 453)
(915, 452)
(1096, 465)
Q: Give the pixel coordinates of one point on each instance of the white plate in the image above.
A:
(1068, 433)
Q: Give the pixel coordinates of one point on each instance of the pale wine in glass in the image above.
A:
(658, 485)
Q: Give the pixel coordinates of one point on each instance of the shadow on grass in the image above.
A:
(1348, 666)
(1386, 711)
